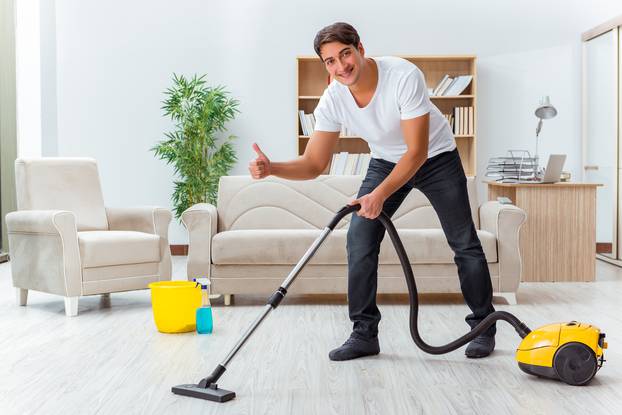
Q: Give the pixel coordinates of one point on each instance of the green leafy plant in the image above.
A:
(198, 157)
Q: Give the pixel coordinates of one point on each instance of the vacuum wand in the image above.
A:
(208, 389)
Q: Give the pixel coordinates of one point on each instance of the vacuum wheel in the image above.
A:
(575, 363)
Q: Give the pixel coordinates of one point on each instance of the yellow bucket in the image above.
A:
(175, 305)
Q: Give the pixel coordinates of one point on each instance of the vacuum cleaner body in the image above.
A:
(571, 352)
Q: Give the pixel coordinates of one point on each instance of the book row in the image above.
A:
(451, 86)
(307, 124)
(345, 163)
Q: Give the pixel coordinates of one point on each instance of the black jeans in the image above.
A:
(442, 180)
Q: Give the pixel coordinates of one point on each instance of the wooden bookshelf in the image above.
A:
(313, 79)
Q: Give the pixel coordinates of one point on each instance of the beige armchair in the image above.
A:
(62, 240)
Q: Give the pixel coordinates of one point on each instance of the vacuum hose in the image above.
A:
(487, 322)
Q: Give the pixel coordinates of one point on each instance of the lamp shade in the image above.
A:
(546, 110)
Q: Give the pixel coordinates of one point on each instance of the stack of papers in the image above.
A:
(518, 165)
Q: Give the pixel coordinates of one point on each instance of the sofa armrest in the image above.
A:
(505, 221)
(45, 256)
(201, 222)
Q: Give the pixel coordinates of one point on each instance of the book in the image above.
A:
(441, 82)
(449, 81)
(471, 120)
(341, 162)
(457, 87)
(463, 120)
(364, 164)
(449, 86)
(350, 163)
(310, 123)
(303, 123)
(443, 87)
(331, 170)
(345, 163)
(359, 163)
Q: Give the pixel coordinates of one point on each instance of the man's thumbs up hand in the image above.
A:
(260, 166)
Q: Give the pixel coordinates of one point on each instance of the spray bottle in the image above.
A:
(204, 313)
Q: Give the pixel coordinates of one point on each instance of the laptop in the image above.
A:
(553, 170)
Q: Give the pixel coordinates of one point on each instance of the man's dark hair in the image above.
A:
(337, 32)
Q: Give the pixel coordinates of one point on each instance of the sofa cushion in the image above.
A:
(103, 248)
(275, 203)
(286, 246)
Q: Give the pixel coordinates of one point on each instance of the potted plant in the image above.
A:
(198, 156)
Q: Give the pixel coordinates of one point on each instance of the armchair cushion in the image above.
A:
(58, 183)
(149, 219)
(103, 248)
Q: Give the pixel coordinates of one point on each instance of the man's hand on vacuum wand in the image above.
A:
(260, 167)
(371, 204)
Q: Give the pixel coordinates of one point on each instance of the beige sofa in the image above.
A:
(64, 241)
(259, 229)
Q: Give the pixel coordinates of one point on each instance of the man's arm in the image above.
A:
(311, 164)
(416, 135)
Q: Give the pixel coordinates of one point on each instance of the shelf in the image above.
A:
(356, 136)
(341, 136)
(312, 97)
(439, 58)
(349, 144)
(451, 96)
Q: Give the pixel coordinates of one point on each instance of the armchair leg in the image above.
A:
(22, 296)
(509, 297)
(71, 306)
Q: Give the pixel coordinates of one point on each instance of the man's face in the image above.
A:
(343, 62)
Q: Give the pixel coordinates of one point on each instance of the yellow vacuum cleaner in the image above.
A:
(571, 352)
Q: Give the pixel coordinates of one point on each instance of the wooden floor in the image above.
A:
(111, 360)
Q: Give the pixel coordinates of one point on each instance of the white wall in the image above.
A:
(28, 78)
(49, 130)
(114, 59)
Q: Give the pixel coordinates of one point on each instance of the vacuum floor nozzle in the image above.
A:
(211, 393)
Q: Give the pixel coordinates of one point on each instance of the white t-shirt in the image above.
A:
(401, 94)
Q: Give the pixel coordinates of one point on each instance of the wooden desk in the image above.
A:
(558, 240)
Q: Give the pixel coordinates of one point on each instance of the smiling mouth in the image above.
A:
(346, 74)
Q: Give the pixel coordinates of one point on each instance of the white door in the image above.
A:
(600, 133)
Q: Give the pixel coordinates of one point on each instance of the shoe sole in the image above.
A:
(353, 358)
(477, 356)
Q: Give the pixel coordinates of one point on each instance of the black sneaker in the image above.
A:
(481, 346)
(356, 346)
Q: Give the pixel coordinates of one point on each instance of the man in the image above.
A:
(385, 101)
